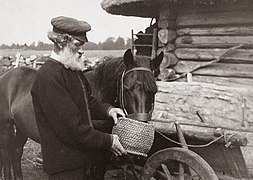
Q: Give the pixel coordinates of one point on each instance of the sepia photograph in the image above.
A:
(126, 90)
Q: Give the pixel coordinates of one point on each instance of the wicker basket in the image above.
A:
(135, 136)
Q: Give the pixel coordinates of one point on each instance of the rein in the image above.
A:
(138, 116)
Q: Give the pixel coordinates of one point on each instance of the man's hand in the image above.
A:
(117, 148)
(114, 113)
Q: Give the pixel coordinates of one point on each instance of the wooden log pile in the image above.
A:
(9, 62)
(35, 61)
(167, 35)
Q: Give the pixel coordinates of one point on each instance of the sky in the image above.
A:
(28, 21)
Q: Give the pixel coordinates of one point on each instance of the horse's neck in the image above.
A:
(100, 90)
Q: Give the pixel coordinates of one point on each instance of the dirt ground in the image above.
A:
(33, 171)
(29, 168)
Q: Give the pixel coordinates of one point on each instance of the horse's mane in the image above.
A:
(108, 73)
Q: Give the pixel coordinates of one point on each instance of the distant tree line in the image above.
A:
(110, 43)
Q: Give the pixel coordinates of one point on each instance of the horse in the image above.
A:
(126, 82)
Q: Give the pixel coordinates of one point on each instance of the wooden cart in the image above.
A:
(220, 157)
(180, 153)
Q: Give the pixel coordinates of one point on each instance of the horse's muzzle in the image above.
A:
(140, 116)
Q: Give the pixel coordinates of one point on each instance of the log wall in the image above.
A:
(205, 33)
(221, 92)
(202, 33)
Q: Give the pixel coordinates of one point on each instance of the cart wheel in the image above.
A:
(177, 164)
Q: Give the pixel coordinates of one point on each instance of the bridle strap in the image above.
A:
(122, 104)
(138, 69)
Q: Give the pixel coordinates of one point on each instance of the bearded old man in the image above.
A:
(64, 108)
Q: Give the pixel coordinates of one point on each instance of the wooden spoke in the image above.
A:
(171, 160)
(166, 171)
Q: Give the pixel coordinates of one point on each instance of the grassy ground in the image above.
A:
(29, 169)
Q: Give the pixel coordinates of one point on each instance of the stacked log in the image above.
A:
(166, 41)
(10, 62)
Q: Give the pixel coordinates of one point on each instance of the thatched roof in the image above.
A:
(149, 8)
(139, 8)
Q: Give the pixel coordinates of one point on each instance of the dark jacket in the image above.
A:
(68, 141)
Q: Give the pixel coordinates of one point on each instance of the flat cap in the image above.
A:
(71, 26)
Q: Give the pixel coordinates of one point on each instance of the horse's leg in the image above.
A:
(18, 145)
(6, 138)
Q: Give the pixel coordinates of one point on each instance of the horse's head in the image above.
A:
(137, 85)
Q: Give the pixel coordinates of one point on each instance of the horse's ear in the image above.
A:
(155, 63)
(128, 57)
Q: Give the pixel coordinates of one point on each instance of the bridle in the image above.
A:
(137, 116)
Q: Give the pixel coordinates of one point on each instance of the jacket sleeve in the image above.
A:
(64, 116)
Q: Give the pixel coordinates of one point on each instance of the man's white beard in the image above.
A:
(71, 60)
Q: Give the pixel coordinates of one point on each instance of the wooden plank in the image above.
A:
(240, 158)
(217, 69)
(248, 152)
(212, 155)
(154, 43)
(212, 41)
(244, 56)
(214, 18)
(235, 162)
(214, 31)
(231, 162)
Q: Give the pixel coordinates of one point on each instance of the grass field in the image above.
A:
(90, 53)
(30, 170)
